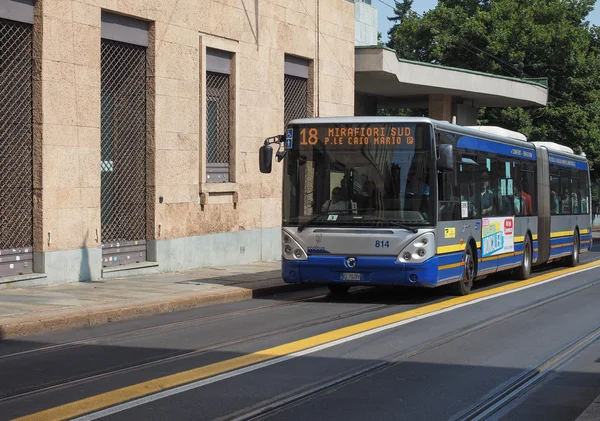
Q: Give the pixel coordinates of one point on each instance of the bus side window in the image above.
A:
(555, 190)
(565, 193)
(584, 188)
(575, 192)
(468, 191)
(527, 193)
(488, 189)
(448, 200)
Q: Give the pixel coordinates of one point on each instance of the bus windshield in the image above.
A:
(359, 175)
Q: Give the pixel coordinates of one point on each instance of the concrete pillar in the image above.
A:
(365, 105)
(466, 115)
(440, 107)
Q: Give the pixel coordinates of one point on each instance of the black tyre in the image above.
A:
(338, 289)
(463, 287)
(573, 259)
(524, 271)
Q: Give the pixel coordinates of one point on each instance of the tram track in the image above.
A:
(299, 395)
(523, 383)
(157, 329)
(480, 411)
(179, 355)
(153, 330)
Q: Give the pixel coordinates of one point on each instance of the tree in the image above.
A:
(525, 39)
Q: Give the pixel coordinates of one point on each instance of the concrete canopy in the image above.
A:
(409, 84)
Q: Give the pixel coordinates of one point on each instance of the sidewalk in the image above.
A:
(26, 311)
(592, 413)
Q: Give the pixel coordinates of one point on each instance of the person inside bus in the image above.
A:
(418, 191)
(416, 185)
(583, 202)
(487, 196)
(366, 199)
(336, 202)
(574, 202)
(554, 203)
(522, 202)
(565, 208)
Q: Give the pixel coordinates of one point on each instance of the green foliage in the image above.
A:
(401, 112)
(525, 39)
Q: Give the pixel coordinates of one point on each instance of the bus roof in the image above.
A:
(483, 132)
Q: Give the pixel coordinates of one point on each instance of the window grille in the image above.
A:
(218, 111)
(123, 149)
(296, 98)
(16, 148)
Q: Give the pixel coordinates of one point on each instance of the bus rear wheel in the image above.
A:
(573, 259)
(338, 289)
(524, 270)
(463, 287)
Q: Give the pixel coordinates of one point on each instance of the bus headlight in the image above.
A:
(419, 250)
(291, 249)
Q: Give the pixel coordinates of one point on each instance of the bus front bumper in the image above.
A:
(375, 271)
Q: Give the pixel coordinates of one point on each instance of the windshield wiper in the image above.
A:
(329, 212)
(394, 223)
(344, 211)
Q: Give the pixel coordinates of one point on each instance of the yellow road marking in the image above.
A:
(114, 397)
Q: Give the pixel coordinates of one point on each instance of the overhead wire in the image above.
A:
(467, 46)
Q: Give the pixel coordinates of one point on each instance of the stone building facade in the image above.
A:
(130, 129)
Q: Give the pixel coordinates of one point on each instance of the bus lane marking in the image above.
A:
(128, 397)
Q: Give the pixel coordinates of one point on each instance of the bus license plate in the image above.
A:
(351, 277)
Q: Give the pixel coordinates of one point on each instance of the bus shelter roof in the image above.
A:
(408, 84)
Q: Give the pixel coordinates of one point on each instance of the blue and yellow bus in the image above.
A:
(386, 201)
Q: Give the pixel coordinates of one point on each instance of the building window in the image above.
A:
(218, 115)
(295, 88)
(16, 146)
(123, 139)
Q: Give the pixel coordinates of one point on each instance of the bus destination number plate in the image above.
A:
(350, 276)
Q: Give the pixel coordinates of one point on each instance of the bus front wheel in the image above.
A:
(524, 270)
(463, 287)
(573, 259)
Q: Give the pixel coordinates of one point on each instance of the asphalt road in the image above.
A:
(375, 354)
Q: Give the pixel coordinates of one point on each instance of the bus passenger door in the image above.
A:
(472, 191)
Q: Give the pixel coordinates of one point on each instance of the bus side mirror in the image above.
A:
(265, 158)
(445, 162)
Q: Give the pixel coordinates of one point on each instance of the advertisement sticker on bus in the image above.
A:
(497, 236)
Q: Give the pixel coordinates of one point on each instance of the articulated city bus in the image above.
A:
(386, 201)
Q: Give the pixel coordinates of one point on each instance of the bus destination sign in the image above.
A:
(356, 136)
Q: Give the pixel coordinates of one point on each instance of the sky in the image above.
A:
(385, 9)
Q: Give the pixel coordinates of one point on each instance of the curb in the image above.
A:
(107, 313)
(592, 413)
(278, 289)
